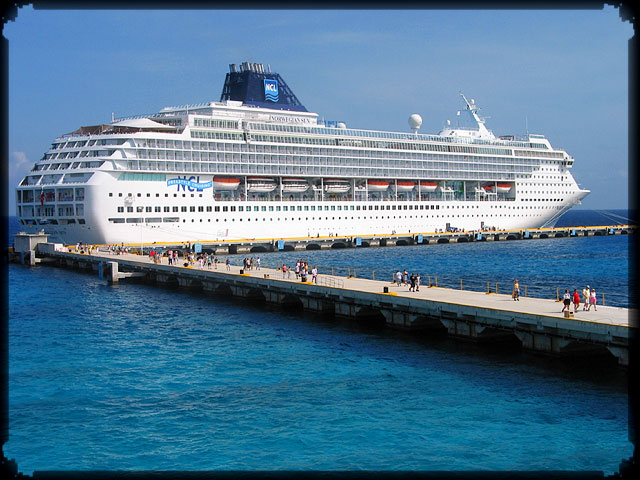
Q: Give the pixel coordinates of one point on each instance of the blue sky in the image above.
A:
(563, 73)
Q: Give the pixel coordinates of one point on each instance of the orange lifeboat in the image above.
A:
(428, 186)
(377, 185)
(503, 187)
(405, 185)
(225, 183)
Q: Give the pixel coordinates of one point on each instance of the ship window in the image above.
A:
(148, 194)
(134, 220)
(139, 194)
(120, 194)
(139, 209)
(241, 209)
(167, 209)
(116, 220)
(201, 209)
(217, 209)
(175, 209)
(148, 209)
(111, 194)
(120, 209)
(183, 209)
(208, 208)
(129, 209)
(225, 209)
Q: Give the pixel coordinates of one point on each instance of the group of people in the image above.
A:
(82, 248)
(118, 249)
(302, 270)
(404, 279)
(589, 299)
(251, 263)
(189, 259)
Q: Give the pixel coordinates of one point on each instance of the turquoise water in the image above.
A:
(139, 377)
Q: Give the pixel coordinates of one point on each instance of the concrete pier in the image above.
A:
(536, 323)
(262, 245)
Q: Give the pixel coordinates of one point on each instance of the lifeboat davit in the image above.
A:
(292, 185)
(336, 185)
(377, 185)
(223, 183)
(428, 186)
(261, 185)
(405, 185)
(503, 187)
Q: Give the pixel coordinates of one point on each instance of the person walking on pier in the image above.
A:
(516, 291)
(228, 262)
(576, 300)
(566, 299)
(418, 280)
(314, 274)
(586, 294)
(592, 300)
(398, 277)
(412, 282)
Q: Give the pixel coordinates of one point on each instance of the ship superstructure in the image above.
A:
(257, 164)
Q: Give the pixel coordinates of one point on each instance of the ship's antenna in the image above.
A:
(526, 124)
(473, 108)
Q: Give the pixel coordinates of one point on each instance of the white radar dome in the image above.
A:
(415, 121)
(342, 125)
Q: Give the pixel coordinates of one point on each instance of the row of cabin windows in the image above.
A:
(277, 208)
(209, 208)
(388, 217)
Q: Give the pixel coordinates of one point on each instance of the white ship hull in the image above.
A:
(230, 171)
(301, 219)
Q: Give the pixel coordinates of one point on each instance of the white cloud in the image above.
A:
(18, 163)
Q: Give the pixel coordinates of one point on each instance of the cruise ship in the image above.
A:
(258, 165)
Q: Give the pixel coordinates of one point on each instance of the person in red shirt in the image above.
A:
(576, 300)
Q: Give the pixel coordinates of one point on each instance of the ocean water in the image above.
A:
(136, 377)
